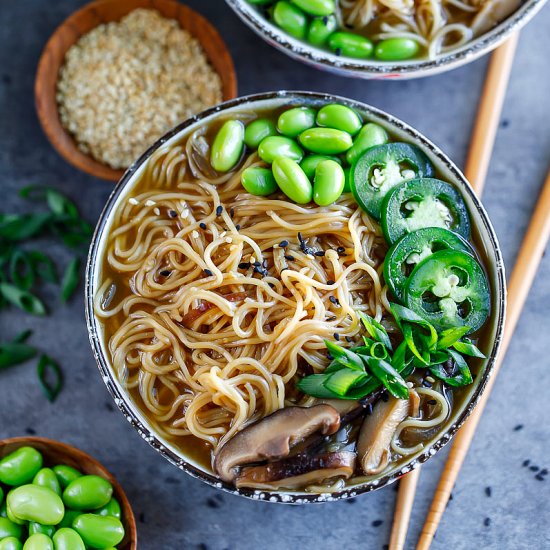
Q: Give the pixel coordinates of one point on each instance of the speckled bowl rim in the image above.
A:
(377, 69)
(124, 402)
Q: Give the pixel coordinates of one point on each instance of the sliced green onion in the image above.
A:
(23, 226)
(467, 348)
(344, 356)
(47, 365)
(22, 336)
(13, 353)
(21, 270)
(314, 385)
(403, 314)
(379, 350)
(70, 279)
(462, 378)
(448, 337)
(43, 267)
(375, 329)
(59, 204)
(389, 377)
(408, 335)
(341, 381)
(22, 299)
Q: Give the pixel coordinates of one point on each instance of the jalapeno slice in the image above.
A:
(414, 247)
(449, 289)
(380, 168)
(423, 202)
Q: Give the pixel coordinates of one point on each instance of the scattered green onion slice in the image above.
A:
(46, 365)
(70, 280)
(22, 299)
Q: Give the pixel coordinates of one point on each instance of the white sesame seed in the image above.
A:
(133, 201)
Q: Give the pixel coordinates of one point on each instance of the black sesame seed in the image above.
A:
(338, 51)
(211, 503)
(330, 282)
(244, 265)
(165, 273)
(109, 407)
(283, 244)
(349, 339)
(231, 212)
(202, 225)
(518, 427)
(451, 496)
(336, 336)
(488, 491)
(526, 463)
(238, 227)
(141, 517)
(426, 384)
(319, 253)
(329, 356)
(300, 238)
(334, 300)
(432, 402)
(289, 257)
(271, 285)
(208, 272)
(340, 250)
(30, 431)
(219, 210)
(487, 522)
(540, 477)
(325, 20)
(543, 472)
(534, 468)
(377, 523)
(172, 213)
(258, 269)
(368, 409)
(385, 397)
(332, 318)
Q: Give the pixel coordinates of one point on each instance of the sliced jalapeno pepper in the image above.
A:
(379, 169)
(449, 289)
(426, 202)
(414, 247)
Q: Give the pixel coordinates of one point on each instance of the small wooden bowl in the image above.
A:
(56, 452)
(83, 21)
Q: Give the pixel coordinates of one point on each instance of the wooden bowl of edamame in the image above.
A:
(44, 480)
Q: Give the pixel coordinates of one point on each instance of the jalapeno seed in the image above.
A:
(279, 146)
(10, 543)
(65, 474)
(112, 508)
(38, 542)
(20, 466)
(35, 503)
(292, 180)
(291, 19)
(9, 529)
(68, 539)
(294, 121)
(47, 478)
(371, 134)
(257, 130)
(339, 117)
(350, 45)
(99, 531)
(310, 162)
(326, 141)
(87, 493)
(228, 146)
(320, 29)
(258, 181)
(396, 49)
(329, 182)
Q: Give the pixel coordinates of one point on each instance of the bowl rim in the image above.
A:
(370, 68)
(142, 425)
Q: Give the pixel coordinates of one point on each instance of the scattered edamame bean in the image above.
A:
(370, 135)
(68, 539)
(316, 7)
(350, 45)
(99, 531)
(47, 478)
(279, 146)
(38, 542)
(9, 529)
(320, 29)
(68, 518)
(257, 130)
(10, 543)
(329, 182)
(65, 474)
(35, 503)
(112, 508)
(87, 493)
(326, 141)
(339, 117)
(292, 180)
(47, 530)
(291, 19)
(20, 466)
(294, 121)
(259, 181)
(310, 162)
(396, 49)
(228, 146)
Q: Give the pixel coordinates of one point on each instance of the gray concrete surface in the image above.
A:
(177, 512)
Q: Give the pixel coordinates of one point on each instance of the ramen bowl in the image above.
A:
(482, 233)
(371, 68)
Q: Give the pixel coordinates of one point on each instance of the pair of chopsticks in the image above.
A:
(524, 272)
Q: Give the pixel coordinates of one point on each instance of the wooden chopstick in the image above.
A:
(477, 164)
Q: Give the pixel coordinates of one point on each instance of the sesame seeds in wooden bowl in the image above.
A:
(118, 74)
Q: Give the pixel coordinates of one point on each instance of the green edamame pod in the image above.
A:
(316, 7)
(350, 45)
(99, 531)
(35, 503)
(10, 543)
(47, 530)
(47, 478)
(320, 29)
(68, 518)
(291, 19)
(329, 182)
(339, 117)
(292, 180)
(310, 162)
(396, 49)
(257, 130)
(87, 493)
(326, 141)
(294, 121)
(65, 474)
(370, 135)
(112, 508)
(9, 529)
(279, 146)
(68, 539)
(20, 466)
(259, 181)
(38, 542)
(228, 146)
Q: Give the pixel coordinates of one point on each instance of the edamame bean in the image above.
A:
(35, 503)
(12, 517)
(310, 162)
(228, 146)
(291, 19)
(9, 529)
(257, 130)
(326, 141)
(350, 45)
(68, 518)
(112, 508)
(65, 474)
(329, 182)
(20, 466)
(396, 49)
(259, 181)
(10, 543)
(370, 135)
(292, 180)
(87, 493)
(320, 29)
(68, 539)
(347, 181)
(38, 542)
(260, 2)
(47, 478)
(99, 531)
(316, 7)
(295, 121)
(279, 146)
(339, 117)
(47, 530)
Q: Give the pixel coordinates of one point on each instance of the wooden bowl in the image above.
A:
(55, 452)
(83, 21)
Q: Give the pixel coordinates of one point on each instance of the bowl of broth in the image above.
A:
(295, 297)
(380, 39)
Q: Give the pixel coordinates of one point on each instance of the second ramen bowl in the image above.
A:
(482, 233)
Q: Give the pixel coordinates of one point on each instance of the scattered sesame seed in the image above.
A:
(172, 214)
(133, 201)
(184, 213)
(330, 282)
(238, 227)
(526, 463)
(271, 285)
(377, 523)
(244, 265)
(488, 491)
(310, 256)
(336, 336)
(319, 253)
(149, 202)
(430, 379)
(325, 20)
(544, 472)
(156, 211)
(334, 300)
(540, 477)
(219, 210)
(487, 522)
(283, 244)
(208, 272)
(289, 257)
(340, 250)
(426, 384)
(432, 402)
(202, 225)
(349, 339)
(518, 427)
(385, 397)
(195, 234)
(165, 273)
(257, 264)
(232, 212)
(368, 409)
(332, 318)
(338, 51)
(534, 468)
